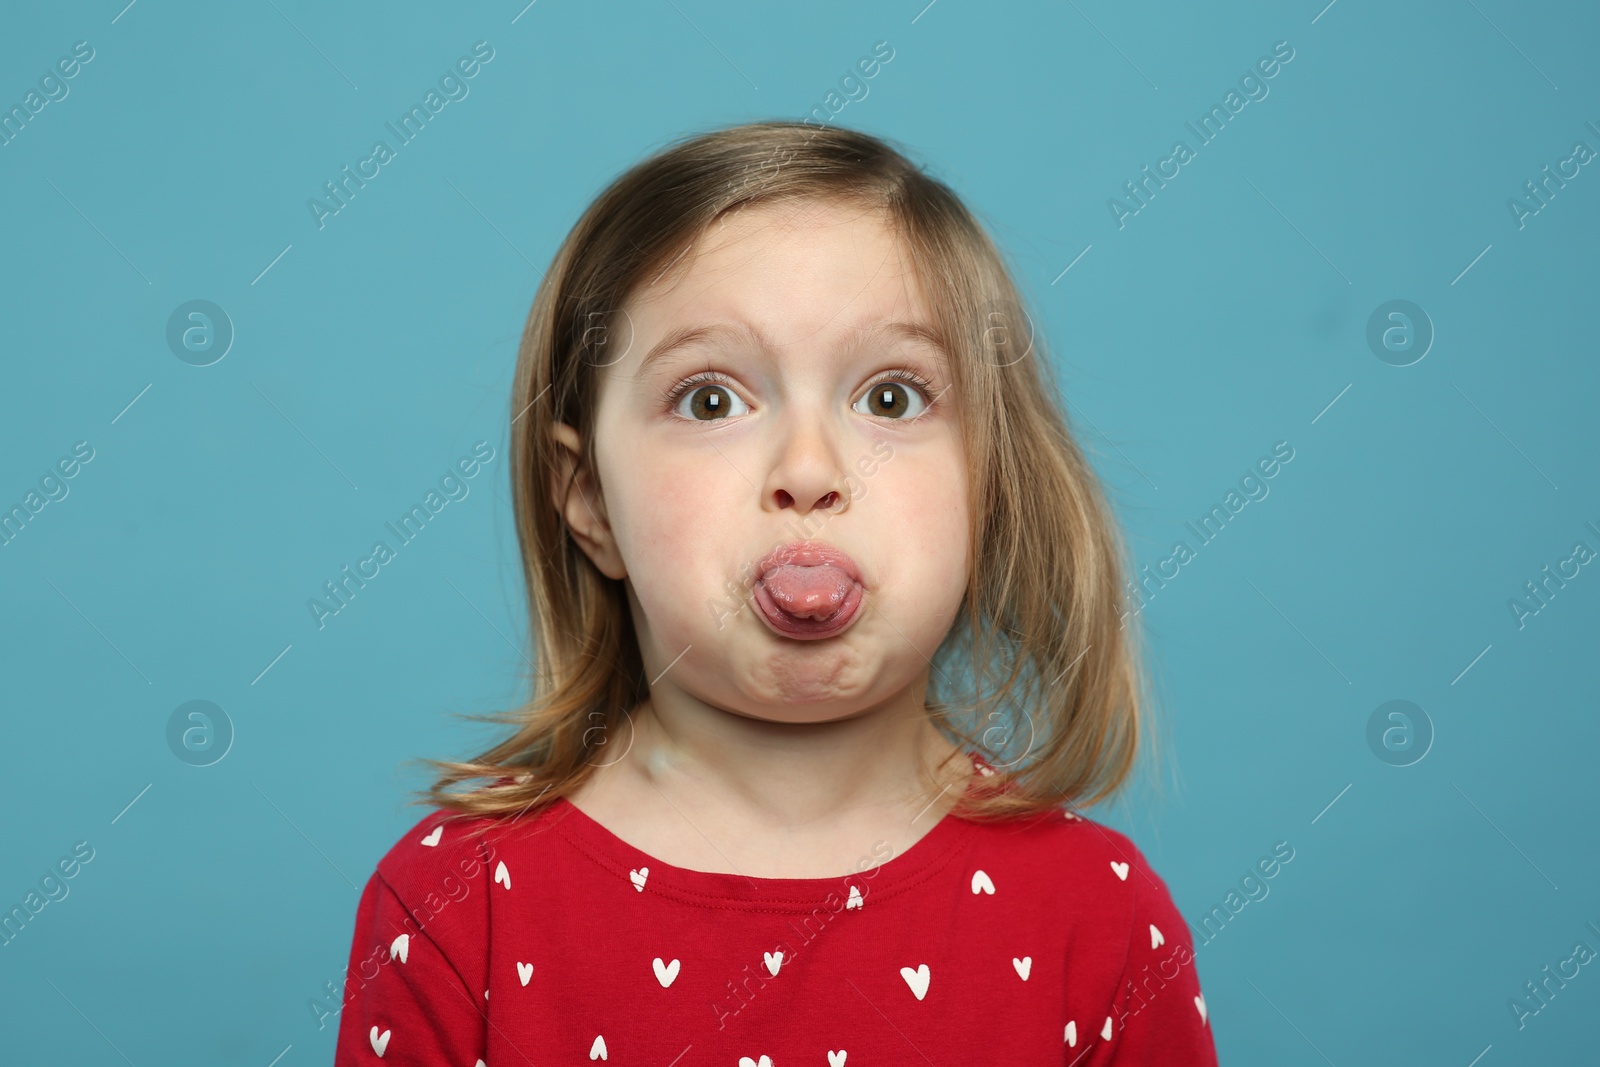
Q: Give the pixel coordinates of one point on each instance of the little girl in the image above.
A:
(830, 651)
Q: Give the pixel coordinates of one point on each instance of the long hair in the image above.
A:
(1039, 673)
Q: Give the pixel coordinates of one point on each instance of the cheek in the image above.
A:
(919, 521)
(674, 525)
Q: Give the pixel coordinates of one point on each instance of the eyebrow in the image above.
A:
(685, 337)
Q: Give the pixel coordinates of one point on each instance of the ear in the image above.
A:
(581, 507)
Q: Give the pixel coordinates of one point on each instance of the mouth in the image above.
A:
(808, 590)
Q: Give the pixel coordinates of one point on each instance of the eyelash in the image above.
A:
(900, 374)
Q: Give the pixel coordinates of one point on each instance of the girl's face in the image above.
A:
(824, 418)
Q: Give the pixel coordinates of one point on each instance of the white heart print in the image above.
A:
(638, 876)
(917, 979)
(597, 1051)
(1023, 966)
(379, 1044)
(524, 971)
(764, 1061)
(981, 883)
(774, 961)
(665, 972)
(1121, 869)
(1105, 1031)
(433, 838)
(1200, 1003)
(855, 900)
(836, 1059)
(502, 875)
(400, 946)
(1072, 1034)
(1156, 940)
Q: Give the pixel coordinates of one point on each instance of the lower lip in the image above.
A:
(807, 629)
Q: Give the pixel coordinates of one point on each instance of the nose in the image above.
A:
(807, 474)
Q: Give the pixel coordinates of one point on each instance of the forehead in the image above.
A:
(795, 272)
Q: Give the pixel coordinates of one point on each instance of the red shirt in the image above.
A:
(550, 940)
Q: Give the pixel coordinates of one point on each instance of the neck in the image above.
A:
(788, 776)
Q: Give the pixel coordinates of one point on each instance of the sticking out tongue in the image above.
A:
(802, 592)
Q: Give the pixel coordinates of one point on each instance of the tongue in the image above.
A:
(808, 592)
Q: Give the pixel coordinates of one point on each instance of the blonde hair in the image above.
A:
(1040, 635)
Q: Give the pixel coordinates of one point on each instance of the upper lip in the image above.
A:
(808, 554)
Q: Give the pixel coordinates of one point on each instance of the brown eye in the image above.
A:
(707, 403)
(891, 399)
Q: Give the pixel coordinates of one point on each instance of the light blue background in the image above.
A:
(1227, 315)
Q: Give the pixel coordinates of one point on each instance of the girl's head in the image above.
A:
(776, 335)
(746, 404)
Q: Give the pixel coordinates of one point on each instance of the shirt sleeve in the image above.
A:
(1158, 1015)
(405, 1002)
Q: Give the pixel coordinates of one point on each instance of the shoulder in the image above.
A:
(441, 846)
(437, 880)
(1066, 840)
(1157, 1011)
(1100, 860)
(1130, 947)
(1093, 844)
(422, 937)
(1153, 919)
(441, 871)
(444, 848)
(1087, 867)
